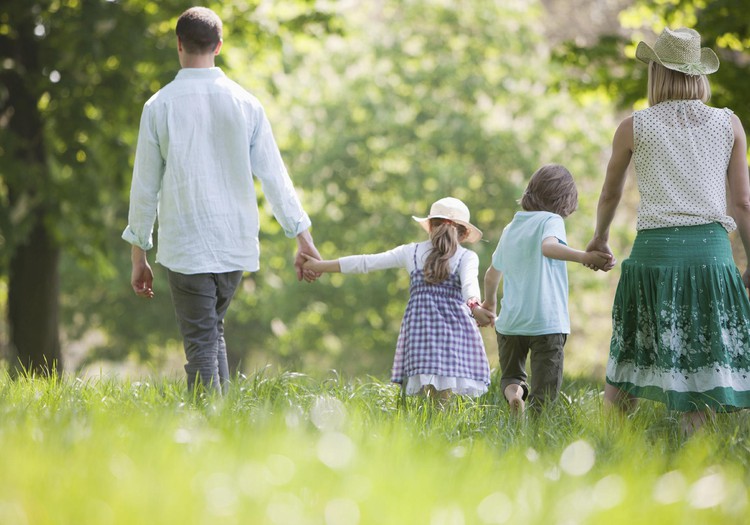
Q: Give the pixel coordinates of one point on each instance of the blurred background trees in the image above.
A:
(380, 108)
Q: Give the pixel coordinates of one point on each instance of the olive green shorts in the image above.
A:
(546, 364)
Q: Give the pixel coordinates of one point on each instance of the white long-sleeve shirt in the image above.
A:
(202, 137)
(403, 257)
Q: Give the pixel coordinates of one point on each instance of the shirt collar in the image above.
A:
(199, 72)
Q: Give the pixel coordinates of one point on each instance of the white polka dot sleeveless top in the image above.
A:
(681, 154)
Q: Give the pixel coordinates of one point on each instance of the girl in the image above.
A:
(439, 350)
(530, 258)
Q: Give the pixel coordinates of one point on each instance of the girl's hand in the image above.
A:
(311, 263)
(483, 317)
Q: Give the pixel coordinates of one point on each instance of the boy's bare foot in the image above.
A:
(514, 395)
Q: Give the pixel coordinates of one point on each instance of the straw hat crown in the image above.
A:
(454, 210)
(679, 50)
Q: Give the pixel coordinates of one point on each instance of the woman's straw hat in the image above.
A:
(453, 210)
(681, 51)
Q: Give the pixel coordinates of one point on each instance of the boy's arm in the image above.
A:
(554, 249)
(492, 279)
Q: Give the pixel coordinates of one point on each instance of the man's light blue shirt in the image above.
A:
(202, 137)
(535, 287)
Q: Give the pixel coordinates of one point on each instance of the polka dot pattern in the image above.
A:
(681, 155)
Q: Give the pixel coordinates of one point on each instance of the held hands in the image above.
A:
(483, 316)
(597, 260)
(305, 248)
(312, 264)
(599, 256)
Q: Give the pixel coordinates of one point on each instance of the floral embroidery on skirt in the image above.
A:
(681, 321)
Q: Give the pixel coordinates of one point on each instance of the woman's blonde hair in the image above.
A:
(553, 189)
(445, 236)
(668, 84)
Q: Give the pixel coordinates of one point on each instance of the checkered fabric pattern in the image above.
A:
(438, 336)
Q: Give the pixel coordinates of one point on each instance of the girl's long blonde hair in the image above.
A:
(445, 236)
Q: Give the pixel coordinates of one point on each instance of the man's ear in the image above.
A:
(218, 47)
(179, 44)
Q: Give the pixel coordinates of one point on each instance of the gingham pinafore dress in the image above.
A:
(438, 336)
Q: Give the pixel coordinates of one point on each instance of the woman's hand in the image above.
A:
(597, 260)
(602, 249)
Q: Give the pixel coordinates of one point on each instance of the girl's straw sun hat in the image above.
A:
(681, 51)
(453, 210)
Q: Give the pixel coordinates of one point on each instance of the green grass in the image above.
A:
(288, 449)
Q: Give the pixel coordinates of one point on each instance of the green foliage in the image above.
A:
(415, 101)
(611, 65)
(99, 62)
(379, 109)
(286, 448)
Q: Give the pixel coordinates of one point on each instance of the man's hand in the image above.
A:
(305, 246)
(141, 278)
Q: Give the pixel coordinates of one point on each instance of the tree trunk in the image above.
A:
(33, 274)
(33, 303)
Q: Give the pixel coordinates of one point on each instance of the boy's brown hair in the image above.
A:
(200, 30)
(552, 189)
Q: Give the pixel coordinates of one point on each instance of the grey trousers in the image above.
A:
(200, 303)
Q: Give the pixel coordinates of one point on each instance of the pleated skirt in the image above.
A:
(681, 321)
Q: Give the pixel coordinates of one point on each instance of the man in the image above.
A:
(201, 139)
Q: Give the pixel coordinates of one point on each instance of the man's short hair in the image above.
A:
(199, 30)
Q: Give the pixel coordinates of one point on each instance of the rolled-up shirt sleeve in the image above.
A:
(148, 171)
(268, 166)
(395, 258)
(469, 273)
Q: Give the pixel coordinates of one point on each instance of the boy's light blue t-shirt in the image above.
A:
(535, 287)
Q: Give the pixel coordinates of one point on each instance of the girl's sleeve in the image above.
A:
(395, 258)
(469, 273)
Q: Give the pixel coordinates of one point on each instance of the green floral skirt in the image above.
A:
(681, 321)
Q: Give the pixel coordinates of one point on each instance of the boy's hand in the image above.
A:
(489, 306)
(597, 260)
(483, 317)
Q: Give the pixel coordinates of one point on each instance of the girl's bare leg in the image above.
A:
(439, 397)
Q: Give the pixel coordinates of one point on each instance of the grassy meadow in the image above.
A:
(287, 449)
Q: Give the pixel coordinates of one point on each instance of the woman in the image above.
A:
(681, 315)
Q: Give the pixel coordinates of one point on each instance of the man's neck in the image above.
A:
(197, 61)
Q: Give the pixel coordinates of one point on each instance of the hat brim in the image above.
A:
(474, 234)
(709, 61)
